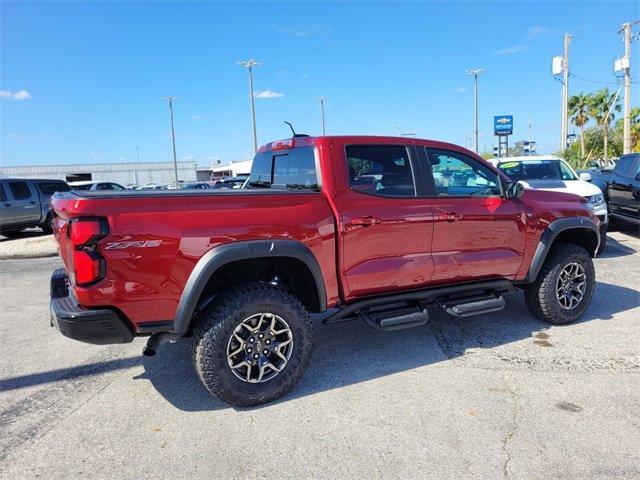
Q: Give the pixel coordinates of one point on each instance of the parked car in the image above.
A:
(621, 186)
(25, 204)
(90, 185)
(195, 186)
(232, 182)
(151, 186)
(241, 273)
(548, 172)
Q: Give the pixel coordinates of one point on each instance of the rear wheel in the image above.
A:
(47, 225)
(252, 344)
(12, 233)
(564, 287)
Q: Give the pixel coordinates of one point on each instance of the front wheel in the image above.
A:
(252, 344)
(564, 287)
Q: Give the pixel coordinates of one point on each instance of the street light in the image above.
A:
(475, 72)
(173, 136)
(249, 64)
(322, 100)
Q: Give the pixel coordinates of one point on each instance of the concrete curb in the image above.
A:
(24, 255)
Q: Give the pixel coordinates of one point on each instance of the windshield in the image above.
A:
(537, 170)
(294, 168)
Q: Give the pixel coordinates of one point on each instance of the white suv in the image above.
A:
(548, 172)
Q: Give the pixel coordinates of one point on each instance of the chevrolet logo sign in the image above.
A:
(503, 120)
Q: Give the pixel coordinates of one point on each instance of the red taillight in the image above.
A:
(283, 144)
(88, 265)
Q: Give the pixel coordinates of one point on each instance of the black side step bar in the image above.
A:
(461, 292)
(473, 306)
(396, 317)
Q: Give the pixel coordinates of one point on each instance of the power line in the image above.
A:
(595, 81)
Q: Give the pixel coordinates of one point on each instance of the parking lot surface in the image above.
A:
(495, 396)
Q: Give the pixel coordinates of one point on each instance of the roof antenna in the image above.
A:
(295, 135)
(291, 127)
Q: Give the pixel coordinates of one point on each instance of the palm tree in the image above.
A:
(579, 111)
(603, 104)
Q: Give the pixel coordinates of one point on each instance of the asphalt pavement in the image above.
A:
(496, 396)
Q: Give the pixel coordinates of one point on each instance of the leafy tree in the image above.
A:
(602, 107)
(635, 129)
(579, 106)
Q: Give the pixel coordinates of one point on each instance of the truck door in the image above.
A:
(477, 232)
(624, 195)
(24, 205)
(385, 226)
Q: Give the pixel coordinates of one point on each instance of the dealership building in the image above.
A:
(126, 174)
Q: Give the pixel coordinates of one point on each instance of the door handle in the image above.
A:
(7, 204)
(32, 202)
(364, 221)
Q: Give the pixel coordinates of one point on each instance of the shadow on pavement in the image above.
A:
(615, 248)
(351, 353)
(30, 233)
(63, 374)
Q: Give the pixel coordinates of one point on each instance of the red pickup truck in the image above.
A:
(353, 227)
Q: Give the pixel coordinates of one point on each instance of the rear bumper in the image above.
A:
(99, 327)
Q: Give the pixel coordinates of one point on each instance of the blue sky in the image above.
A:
(82, 82)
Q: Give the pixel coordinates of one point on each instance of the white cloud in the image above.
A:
(195, 117)
(282, 72)
(300, 30)
(267, 94)
(19, 95)
(512, 50)
(461, 89)
(536, 31)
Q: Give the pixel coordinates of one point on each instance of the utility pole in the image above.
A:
(565, 93)
(173, 136)
(322, 100)
(475, 72)
(249, 64)
(626, 30)
(135, 172)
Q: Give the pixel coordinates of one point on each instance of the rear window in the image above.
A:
(82, 187)
(49, 188)
(20, 190)
(294, 168)
(624, 166)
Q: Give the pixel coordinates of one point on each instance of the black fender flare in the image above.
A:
(549, 236)
(242, 250)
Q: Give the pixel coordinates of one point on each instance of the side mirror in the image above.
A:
(513, 189)
(585, 176)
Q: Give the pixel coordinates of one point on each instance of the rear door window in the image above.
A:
(294, 168)
(383, 170)
(623, 168)
(3, 194)
(20, 190)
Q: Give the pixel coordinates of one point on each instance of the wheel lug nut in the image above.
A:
(249, 350)
(251, 340)
(256, 356)
(261, 335)
(265, 351)
(268, 342)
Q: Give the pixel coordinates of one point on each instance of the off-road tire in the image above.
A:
(603, 240)
(215, 326)
(540, 296)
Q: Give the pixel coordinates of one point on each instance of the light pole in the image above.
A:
(173, 136)
(322, 100)
(135, 176)
(529, 125)
(475, 72)
(249, 64)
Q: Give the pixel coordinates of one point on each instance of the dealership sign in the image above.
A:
(503, 125)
